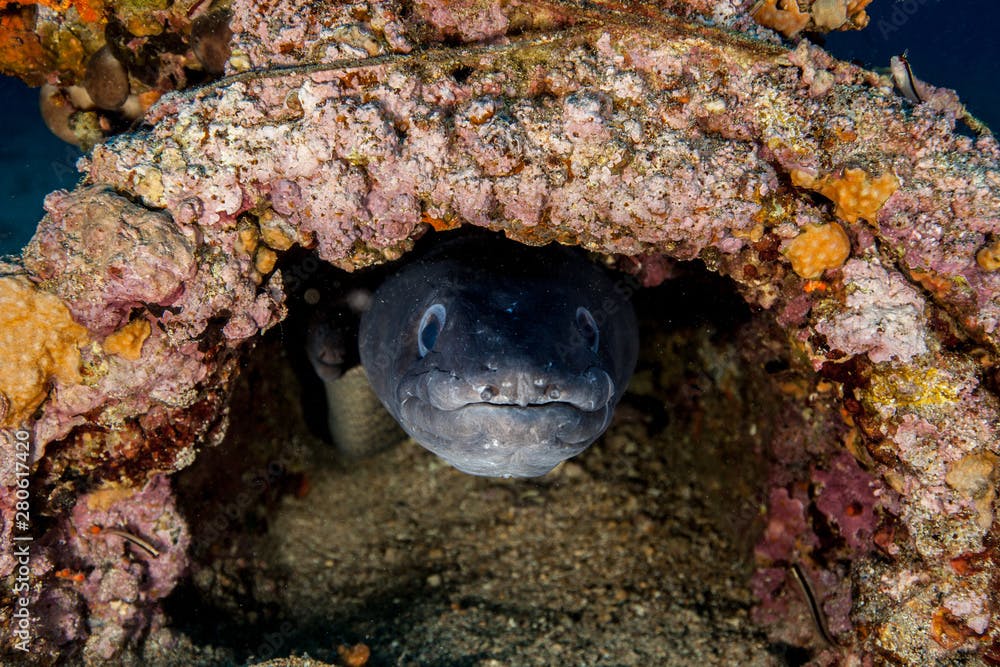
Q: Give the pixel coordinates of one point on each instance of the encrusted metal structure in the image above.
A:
(865, 224)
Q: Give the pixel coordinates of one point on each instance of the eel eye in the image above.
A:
(587, 327)
(430, 326)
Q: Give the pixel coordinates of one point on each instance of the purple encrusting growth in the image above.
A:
(125, 582)
(846, 497)
(108, 589)
(624, 135)
(788, 533)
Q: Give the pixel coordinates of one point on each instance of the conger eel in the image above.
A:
(502, 359)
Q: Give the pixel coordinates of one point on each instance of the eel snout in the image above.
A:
(447, 390)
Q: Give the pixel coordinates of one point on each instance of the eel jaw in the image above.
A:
(504, 440)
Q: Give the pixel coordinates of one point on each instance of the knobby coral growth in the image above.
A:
(636, 134)
(790, 18)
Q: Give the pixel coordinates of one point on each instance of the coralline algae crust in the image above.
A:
(649, 138)
(882, 316)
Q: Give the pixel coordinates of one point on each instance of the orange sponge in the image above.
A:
(38, 342)
(789, 20)
(855, 193)
(818, 248)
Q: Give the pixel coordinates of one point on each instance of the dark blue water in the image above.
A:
(953, 44)
(33, 163)
(950, 44)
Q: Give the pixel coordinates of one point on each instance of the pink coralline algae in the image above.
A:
(105, 256)
(846, 497)
(882, 315)
(632, 133)
(106, 578)
(124, 581)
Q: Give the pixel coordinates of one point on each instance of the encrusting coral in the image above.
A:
(625, 134)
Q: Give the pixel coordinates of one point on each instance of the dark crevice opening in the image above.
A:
(694, 299)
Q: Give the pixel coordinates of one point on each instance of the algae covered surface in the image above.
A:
(857, 448)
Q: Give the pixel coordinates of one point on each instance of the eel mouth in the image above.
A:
(447, 391)
(504, 440)
(513, 424)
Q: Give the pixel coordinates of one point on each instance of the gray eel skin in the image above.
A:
(502, 359)
(357, 424)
